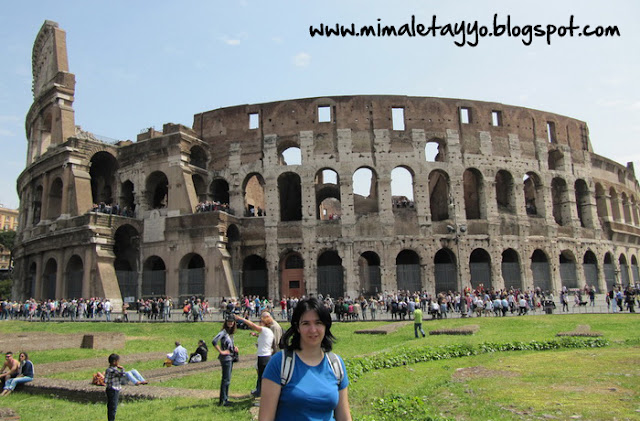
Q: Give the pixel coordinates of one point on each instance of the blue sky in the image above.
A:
(145, 63)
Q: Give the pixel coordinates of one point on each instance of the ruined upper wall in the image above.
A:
(365, 114)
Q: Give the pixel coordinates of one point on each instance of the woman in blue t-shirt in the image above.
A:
(313, 390)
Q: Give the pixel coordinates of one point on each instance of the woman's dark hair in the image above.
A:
(26, 356)
(291, 338)
(230, 330)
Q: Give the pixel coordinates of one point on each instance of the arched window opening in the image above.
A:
(582, 203)
(624, 271)
(327, 188)
(330, 275)
(568, 273)
(541, 271)
(290, 190)
(402, 188)
(601, 201)
(365, 191)
(609, 268)
(533, 195)
(634, 270)
(37, 205)
(219, 194)
(291, 156)
(408, 271)
(104, 167)
(127, 199)
(292, 283)
(254, 195)
(556, 160)
(435, 151)
(615, 204)
(439, 195)
(473, 191)
(192, 277)
(561, 205)
(157, 190)
(511, 273)
(126, 249)
(154, 277)
(505, 195)
(626, 209)
(480, 267)
(55, 199)
(49, 280)
(370, 276)
(198, 157)
(590, 268)
(446, 271)
(74, 275)
(255, 278)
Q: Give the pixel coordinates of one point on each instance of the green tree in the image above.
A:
(7, 241)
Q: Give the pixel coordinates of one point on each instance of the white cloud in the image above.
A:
(277, 40)
(232, 42)
(302, 60)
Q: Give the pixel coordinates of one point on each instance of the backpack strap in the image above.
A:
(336, 367)
(286, 366)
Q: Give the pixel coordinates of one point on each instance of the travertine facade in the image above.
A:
(502, 196)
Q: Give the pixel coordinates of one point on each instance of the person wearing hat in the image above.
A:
(227, 353)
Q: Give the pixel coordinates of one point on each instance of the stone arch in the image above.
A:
(291, 155)
(192, 270)
(626, 209)
(601, 201)
(290, 192)
(439, 196)
(30, 291)
(511, 272)
(55, 199)
(446, 271)
(609, 271)
(635, 274)
(582, 203)
(200, 186)
(615, 204)
(624, 270)
(127, 198)
(541, 270)
(435, 150)
(104, 167)
(330, 274)
(556, 160)
(253, 191)
(37, 204)
(505, 194)
(292, 281)
(365, 182)
(369, 273)
(560, 200)
(408, 274)
(154, 277)
(219, 191)
(198, 157)
(255, 277)
(480, 267)
(327, 188)
(533, 194)
(157, 187)
(127, 251)
(473, 186)
(49, 281)
(402, 187)
(590, 268)
(568, 272)
(74, 274)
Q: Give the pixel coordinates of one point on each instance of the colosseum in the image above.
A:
(261, 199)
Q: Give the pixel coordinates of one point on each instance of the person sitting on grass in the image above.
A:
(201, 353)
(25, 376)
(10, 368)
(179, 356)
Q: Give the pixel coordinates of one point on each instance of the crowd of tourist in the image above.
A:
(210, 206)
(394, 305)
(113, 209)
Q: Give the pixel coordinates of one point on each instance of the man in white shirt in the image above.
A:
(107, 309)
(265, 348)
(179, 356)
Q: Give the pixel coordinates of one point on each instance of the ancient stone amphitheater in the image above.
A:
(301, 196)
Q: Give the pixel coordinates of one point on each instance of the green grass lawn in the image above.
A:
(588, 384)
